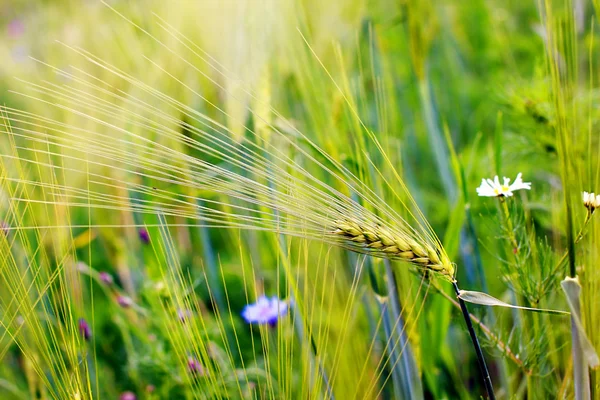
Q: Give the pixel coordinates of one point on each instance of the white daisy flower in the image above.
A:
(493, 188)
(591, 201)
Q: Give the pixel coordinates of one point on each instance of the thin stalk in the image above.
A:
(135, 274)
(487, 381)
(503, 347)
(314, 356)
(519, 316)
(509, 226)
(299, 320)
(443, 162)
(404, 365)
(406, 378)
(211, 263)
(397, 385)
(577, 240)
(438, 146)
(581, 374)
(570, 238)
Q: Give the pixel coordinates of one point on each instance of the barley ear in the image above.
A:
(382, 242)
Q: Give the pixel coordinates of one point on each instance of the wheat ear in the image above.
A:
(384, 243)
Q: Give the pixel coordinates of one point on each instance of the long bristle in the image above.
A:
(147, 151)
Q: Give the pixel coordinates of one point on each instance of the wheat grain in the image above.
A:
(382, 242)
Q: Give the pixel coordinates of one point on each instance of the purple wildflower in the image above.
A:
(184, 314)
(127, 396)
(84, 329)
(106, 278)
(265, 310)
(5, 227)
(15, 28)
(124, 301)
(195, 367)
(144, 235)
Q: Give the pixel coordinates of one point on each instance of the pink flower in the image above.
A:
(195, 367)
(15, 28)
(124, 301)
(106, 278)
(127, 396)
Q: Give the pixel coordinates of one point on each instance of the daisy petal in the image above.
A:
(493, 188)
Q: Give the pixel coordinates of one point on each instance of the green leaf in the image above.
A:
(572, 290)
(487, 300)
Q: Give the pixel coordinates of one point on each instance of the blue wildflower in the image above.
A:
(265, 310)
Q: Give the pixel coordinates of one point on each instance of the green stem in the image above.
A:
(301, 332)
(403, 364)
(577, 240)
(509, 225)
(522, 317)
(487, 381)
(503, 347)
